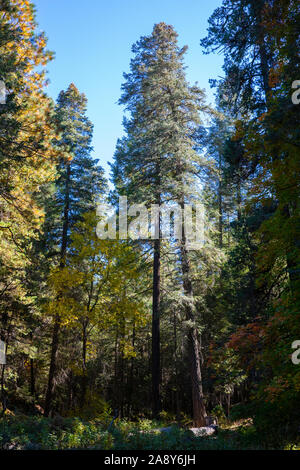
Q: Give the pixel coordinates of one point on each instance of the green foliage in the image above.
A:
(278, 423)
(82, 304)
(94, 408)
(219, 413)
(241, 411)
(36, 433)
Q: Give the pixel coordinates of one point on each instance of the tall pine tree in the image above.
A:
(79, 183)
(156, 163)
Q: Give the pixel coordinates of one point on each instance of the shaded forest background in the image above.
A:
(153, 329)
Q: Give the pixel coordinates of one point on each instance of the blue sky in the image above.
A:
(92, 43)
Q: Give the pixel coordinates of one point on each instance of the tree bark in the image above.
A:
(131, 374)
(52, 369)
(32, 378)
(84, 371)
(156, 331)
(291, 255)
(56, 325)
(199, 411)
(220, 204)
(239, 200)
(177, 401)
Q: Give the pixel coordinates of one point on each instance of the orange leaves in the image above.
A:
(275, 75)
(28, 45)
(250, 333)
(247, 341)
(31, 157)
(262, 117)
(277, 387)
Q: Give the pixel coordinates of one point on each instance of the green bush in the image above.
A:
(219, 413)
(45, 433)
(278, 424)
(241, 411)
(34, 433)
(95, 408)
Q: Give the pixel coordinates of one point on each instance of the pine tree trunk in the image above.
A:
(52, 369)
(199, 411)
(177, 401)
(84, 371)
(32, 378)
(220, 203)
(291, 255)
(4, 336)
(156, 331)
(130, 378)
(239, 200)
(56, 326)
(257, 8)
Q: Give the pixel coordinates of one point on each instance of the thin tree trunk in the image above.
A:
(121, 368)
(177, 402)
(3, 393)
(115, 386)
(52, 369)
(122, 384)
(228, 404)
(32, 378)
(56, 325)
(228, 231)
(220, 203)
(32, 373)
(291, 258)
(84, 371)
(156, 331)
(5, 333)
(130, 378)
(239, 200)
(70, 391)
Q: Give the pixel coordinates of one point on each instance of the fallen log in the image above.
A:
(204, 431)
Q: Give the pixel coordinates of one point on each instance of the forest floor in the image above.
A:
(21, 432)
